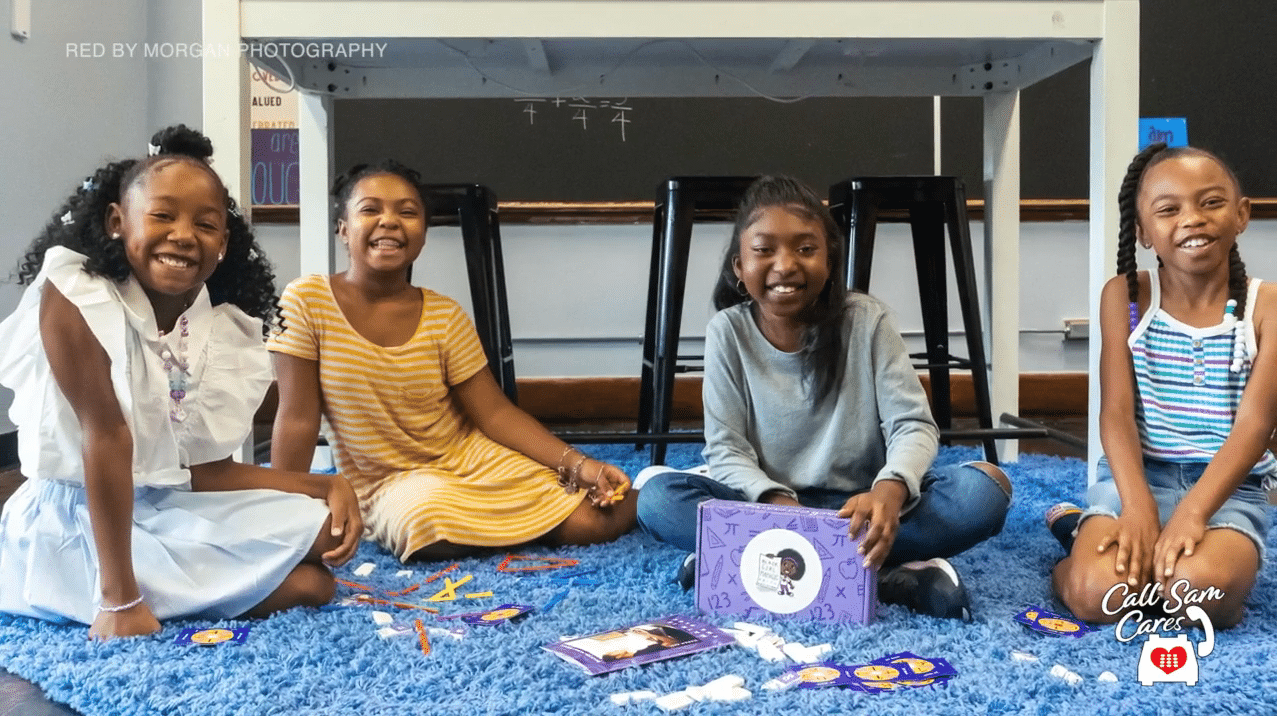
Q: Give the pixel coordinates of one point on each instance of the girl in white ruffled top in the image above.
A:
(137, 360)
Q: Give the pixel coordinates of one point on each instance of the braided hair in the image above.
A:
(1128, 218)
(345, 184)
(822, 351)
(244, 278)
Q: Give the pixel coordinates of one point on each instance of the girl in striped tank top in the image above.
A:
(1188, 377)
(443, 463)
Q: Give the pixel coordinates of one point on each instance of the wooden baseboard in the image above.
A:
(569, 400)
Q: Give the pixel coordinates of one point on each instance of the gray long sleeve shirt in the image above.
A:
(763, 432)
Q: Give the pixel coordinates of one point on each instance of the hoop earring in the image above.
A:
(740, 288)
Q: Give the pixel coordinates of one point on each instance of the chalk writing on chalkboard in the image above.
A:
(613, 114)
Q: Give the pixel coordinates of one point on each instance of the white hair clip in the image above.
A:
(88, 185)
(67, 219)
(152, 149)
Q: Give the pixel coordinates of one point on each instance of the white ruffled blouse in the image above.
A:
(228, 376)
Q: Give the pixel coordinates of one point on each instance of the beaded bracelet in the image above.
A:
(570, 482)
(559, 468)
(121, 607)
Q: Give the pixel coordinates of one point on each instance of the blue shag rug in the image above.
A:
(332, 662)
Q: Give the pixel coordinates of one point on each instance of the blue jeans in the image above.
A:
(1246, 511)
(960, 506)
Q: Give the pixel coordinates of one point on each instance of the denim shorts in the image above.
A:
(1246, 511)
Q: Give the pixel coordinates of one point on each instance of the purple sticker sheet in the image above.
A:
(796, 562)
(641, 643)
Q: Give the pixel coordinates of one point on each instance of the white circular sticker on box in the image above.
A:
(780, 571)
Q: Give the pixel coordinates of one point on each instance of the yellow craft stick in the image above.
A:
(449, 592)
(477, 595)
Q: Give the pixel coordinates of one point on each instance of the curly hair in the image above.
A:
(244, 277)
(1128, 219)
(822, 351)
(344, 184)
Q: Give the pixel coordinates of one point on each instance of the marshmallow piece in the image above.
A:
(728, 680)
(752, 628)
(745, 639)
(1109, 677)
(675, 701)
(799, 653)
(736, 694)
(1023, 656)
(382, 618)
(387, 632)
(770, 651)
(621, 699)
(365, 569)
(1063, 673)
(404, 573)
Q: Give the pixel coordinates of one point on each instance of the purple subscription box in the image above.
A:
(794, 562)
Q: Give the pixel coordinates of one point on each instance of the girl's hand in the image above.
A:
(1135, 533)
(605, 484)
(778, 497)
(137, 621)
(346, 521)
(877, 514)
(1182, 534)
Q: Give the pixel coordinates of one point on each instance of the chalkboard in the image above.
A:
(1198, 61)
(572, 150)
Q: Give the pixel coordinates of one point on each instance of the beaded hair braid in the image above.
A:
(1128, 217)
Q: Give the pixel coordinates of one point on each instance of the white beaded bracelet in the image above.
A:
(120, 607)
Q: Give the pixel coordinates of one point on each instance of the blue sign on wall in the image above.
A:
(1172, 130)
(275, 168)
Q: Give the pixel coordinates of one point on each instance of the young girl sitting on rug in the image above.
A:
(444, 464)
(137, 359)
(1188, 376)
(810, 398)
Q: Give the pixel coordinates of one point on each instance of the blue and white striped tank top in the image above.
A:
(1187, 394)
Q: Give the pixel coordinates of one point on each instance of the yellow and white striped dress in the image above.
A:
(423, 471)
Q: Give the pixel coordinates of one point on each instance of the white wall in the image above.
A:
(578, 294)
(64, 115)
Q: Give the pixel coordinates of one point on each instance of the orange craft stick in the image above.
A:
(440, 573)
(357, 585)
(425, 640)
(402, 592)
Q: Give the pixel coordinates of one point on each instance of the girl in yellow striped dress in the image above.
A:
(443, 463)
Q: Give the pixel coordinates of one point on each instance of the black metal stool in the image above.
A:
(680, 201)
(929, 204)
(474, 208)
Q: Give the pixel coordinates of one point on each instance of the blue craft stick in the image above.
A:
(586, 582)
(563, 577)
(554, 601)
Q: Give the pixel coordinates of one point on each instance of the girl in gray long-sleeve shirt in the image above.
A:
(810, 398)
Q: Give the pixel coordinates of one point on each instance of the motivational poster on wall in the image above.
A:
(273, 121)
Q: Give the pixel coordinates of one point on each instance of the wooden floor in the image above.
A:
(21, 698)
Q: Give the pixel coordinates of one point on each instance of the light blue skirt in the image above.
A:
(210, 555)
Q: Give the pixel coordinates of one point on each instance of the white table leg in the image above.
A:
(1115, 91)
(315, 156)
(1002, 255)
